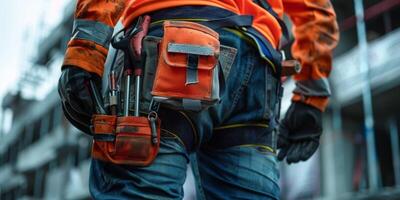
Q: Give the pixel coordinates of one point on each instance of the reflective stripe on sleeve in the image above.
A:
(92, 30)
(318, 87)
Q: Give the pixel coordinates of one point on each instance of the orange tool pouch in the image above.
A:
(187, 75)
(126, 140)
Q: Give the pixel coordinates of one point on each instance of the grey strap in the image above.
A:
(190, 104)
(150, 46)
(97, 32)
(190, 49)
(318, 87)
(192, 76)
(193, 51)
(227, 57)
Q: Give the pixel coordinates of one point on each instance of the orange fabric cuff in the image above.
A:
(87, 55)
(319, 102)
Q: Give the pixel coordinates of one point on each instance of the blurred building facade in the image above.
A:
(340, 170)
(44, 157)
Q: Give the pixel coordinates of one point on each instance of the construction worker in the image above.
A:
(233, 144)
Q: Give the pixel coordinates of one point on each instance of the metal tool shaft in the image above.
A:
(127, 94)
(113, 94)
(137, 96)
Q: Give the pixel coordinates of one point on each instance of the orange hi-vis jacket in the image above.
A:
(315, 33)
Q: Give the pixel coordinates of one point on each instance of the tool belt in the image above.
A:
(183, 71)
(118, 136)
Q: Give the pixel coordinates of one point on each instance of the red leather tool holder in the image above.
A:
(124, 140)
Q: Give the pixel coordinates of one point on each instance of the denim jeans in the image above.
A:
(246, 171)
(240, 172)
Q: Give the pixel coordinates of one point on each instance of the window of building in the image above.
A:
(36, 131)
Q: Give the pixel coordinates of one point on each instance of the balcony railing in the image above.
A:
(384, 62)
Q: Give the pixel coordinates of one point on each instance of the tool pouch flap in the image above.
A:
(183, 40)
(129, 140)
(103, 136)
(104, 127)
(178, 55)
(188, 56)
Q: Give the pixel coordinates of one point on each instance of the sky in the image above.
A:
(24, 24)
(10, 42)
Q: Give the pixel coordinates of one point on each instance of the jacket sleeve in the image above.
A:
(316, 34)
(94, 21)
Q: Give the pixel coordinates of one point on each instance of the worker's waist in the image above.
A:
(214, 15)
(210, 16)
(264, 21)
(191, 12)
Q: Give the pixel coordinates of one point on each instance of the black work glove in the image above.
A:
(299, 133)
(76, 99)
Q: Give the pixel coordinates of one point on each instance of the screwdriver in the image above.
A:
(113, 93)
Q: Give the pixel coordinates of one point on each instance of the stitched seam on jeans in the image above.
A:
(246, 78)
(175, 136)
(241, 35)
(240, 125)
(268, 148)
(196, 139)
(267, 95)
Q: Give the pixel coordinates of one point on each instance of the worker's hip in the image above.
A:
(247, 108)
(247, 94)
